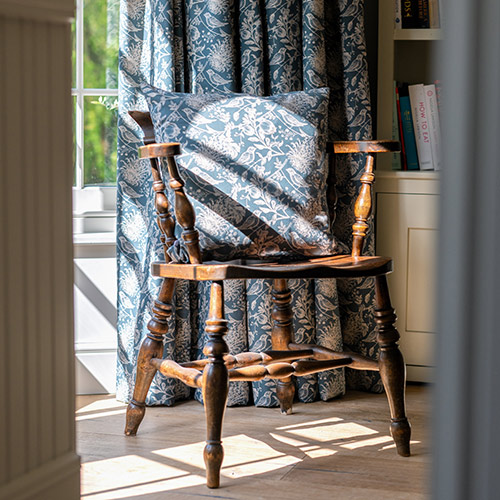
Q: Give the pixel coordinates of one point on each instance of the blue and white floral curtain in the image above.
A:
(258, 47)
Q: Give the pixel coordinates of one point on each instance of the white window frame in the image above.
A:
(94, 207)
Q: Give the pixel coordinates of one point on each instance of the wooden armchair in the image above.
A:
(286, 358)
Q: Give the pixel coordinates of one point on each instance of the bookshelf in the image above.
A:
(407, 202)
(420, 34)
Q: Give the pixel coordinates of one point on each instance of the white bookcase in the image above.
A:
(407, 202)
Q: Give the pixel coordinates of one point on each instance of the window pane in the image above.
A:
(73, 54)
(100, 51)
(74, 141)
(100, 135)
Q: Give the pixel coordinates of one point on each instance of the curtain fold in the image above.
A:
(258, 47)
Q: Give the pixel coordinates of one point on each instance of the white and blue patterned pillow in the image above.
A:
(255, 170)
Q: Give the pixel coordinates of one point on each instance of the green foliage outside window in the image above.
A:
(99, 145)
(100, 39)
(100, 71)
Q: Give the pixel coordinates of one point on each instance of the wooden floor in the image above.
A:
(336, 450)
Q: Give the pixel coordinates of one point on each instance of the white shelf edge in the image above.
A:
(102, 238)
(408, 174)
(95, 347)
(418, 34)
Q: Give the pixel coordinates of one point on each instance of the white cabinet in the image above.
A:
(406, 230)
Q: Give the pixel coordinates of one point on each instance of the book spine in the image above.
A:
(397, 14)
(434, 124)
(437, 83)
(434, 18)
(415, 14)
(423, 13)
(408, 133)
(408, 14)
(421, 126)
(402, 154)
(396, 157)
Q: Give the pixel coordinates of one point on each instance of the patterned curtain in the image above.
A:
(258, 47)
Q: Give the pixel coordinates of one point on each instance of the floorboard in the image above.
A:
(338, 449)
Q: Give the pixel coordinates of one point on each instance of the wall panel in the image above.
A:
(37, 446)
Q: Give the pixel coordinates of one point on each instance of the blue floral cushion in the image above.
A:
(255, 169)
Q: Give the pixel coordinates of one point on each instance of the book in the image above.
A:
(411, 154)
(415, 14)
(437, 83)
(431, 105)
(397, 14)
(402, 154)
(397, 158)
(434, 17)
(421, 126)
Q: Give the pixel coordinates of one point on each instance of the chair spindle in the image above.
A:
(184, 212)
(363, 208)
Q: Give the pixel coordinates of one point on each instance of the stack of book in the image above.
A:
(416, 14)
(416, 125)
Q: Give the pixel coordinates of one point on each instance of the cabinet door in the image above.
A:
(407, 232)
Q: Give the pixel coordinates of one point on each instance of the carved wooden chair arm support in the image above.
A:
(363, 208)
(363, 205)
(184, 211)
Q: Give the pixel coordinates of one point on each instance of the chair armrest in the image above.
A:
(343, 147)
(160, 150)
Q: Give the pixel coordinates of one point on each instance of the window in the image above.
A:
(95, 97)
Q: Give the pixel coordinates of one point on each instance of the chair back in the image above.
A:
(184, 211)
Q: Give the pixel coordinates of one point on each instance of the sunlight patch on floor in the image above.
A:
(288, 440)
(168, 462)
(130, 475)
(119, 477)
(326, 433)
(92, 415)
(258, 458)
(320, 452)
(310, 423)
(368, 442)
(101, 405)
(143, 488)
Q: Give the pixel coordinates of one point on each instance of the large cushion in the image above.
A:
(255, 170)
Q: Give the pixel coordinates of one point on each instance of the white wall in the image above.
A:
(95, 313)
(37, 437)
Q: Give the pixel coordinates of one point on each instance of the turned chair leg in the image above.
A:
(281, 337)
(392, 367)
(215, 384)
(151, 347)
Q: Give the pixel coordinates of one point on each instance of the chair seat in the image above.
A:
(338, 266)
